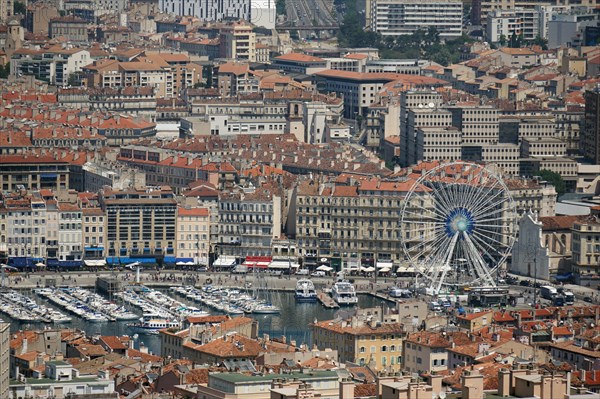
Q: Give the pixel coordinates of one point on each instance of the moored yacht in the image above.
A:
(343, 293)
(152, 326)
(305, 291)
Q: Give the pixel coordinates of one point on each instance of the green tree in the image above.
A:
(19, 8)
(4, 71)
(555, 179)
(502, 40)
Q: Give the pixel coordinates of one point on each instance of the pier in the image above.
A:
(327, 301)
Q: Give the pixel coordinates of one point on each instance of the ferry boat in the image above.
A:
(343, 293)
(152, 326)
(305, 291)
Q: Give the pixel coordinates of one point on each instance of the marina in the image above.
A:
(291, 322)
(21, 307)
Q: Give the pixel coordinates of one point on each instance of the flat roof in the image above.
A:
(240, 378)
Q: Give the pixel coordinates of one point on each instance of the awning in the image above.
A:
(324, 268)
(383, 265)
(224, 261)
(280, 264)
(384, 270)
(94, 262)
(94, 248)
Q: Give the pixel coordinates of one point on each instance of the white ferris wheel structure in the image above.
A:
(458, 225)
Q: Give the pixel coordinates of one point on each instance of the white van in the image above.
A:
(435, 306)
(318, 273)
(303, 272)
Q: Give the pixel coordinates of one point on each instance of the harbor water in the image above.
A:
(293, 322)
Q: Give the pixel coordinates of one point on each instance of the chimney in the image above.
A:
(436, 383)
(472, 382)
(346, 389)
(24, 346)
(503, 382)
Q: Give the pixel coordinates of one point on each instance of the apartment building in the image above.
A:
(4, 359)
(412, 99)
(33, 172)
(590, 135)
(23, 229)
(426, 351)
(532, 194)
(360, 90)
(478, 124)
(404, 17)
(140, 224)
(193, 231)
(586, 250)
(437, 143)
(428, 116)
(94, 233)
(259, 13)
(73, 28)
(237, 41)
(503, 24)
(369, 338)
(359, 216)
(249, 219)
(70, 235)
(54, 65)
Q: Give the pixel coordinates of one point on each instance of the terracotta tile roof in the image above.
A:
(503, 317)
(356, 56)
(550, 223)
(438, 340)
(113, 342)
(28, 356)
(91, 350)
(473, 316)
(234, 68)
(197, 376)
(234, 346)
(299, 57)
(145, 357)
(199, 212)
(365, 391)
(346, 328)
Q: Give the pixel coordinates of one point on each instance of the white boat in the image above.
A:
(265, 308)
(343, 293)
(152, 326)
(305, 291)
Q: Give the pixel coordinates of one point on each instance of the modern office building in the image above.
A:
(590, 135)
(404, 17)
(140, 224)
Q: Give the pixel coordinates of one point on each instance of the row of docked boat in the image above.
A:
(22, 308)
(100, 304)
(62, 299)
(155, 303)
(227, 300)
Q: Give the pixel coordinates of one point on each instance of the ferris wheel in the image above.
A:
(458, 225)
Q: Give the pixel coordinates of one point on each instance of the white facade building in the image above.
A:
(505, 23)
(259, 12)
(403, 17)
(530, 257)
(70, 232)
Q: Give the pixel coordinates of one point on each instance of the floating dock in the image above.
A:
(327, 301)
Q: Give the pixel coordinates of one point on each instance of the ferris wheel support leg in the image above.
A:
(478, 263)
(446, 264)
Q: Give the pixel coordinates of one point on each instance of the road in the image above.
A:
(309, 13)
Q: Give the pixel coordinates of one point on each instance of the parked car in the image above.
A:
(588, 299)
(318, 273)
(524, 283)
(303, 272)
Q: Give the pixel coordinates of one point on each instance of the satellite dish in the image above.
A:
(431, 105)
